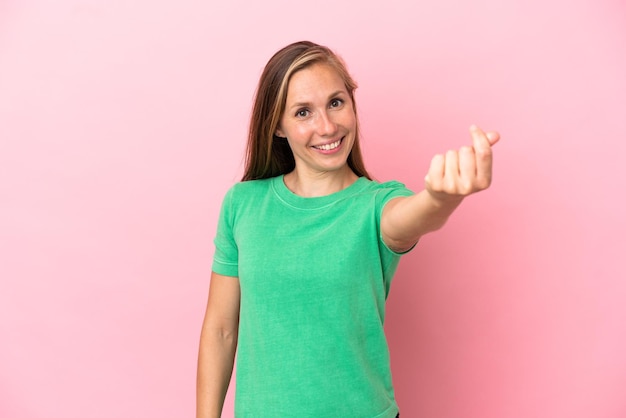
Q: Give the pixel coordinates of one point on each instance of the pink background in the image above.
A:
(122, 124)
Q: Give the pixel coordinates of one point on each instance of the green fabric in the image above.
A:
(314, 276)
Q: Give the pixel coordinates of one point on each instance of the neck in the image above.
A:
(319, 184)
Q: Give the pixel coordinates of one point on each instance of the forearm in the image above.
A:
(215, 365)
(405, 220)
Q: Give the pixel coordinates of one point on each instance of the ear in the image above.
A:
(279, 133)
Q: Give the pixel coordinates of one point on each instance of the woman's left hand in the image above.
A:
(459, 173)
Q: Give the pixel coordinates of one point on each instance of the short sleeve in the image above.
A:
(226, 257)
(387, 192)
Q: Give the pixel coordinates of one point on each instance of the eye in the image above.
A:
(336, 102)
(302, 113)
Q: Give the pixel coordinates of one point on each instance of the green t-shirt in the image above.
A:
(314, 275)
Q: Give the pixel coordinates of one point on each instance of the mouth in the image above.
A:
(328, 147)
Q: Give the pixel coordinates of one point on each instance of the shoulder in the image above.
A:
(380, 193)
(388, 187)
(249, 188)
(244, 197)
(248, 193)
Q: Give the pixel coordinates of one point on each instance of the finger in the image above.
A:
(467, 169)
(492, 137)
(479, 138)
(482, 151)
(434, 178)
(451, 172)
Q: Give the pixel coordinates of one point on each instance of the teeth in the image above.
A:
(328, 147)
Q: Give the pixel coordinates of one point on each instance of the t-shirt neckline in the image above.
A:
(300, 202)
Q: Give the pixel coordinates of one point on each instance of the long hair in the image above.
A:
(266, 154)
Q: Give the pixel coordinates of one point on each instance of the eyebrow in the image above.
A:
(307, 104)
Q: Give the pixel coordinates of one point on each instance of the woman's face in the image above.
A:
(319, 120)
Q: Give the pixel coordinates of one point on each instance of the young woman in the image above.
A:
(306, 247)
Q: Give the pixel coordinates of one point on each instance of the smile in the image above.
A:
(328, 147)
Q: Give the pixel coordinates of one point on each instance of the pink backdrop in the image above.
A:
(122, 123)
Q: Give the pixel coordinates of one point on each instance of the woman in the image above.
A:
(306, 248)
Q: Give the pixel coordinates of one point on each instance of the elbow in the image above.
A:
(222, 334)
(227, 335)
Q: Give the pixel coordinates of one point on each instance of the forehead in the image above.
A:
(313, 81)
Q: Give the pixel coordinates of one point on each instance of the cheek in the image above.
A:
(305, 129)
(298, 133)
(348, 119)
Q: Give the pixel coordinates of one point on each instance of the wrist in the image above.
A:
(443, 200)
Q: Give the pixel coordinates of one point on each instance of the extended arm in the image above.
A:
(451, 177)
(218, 343)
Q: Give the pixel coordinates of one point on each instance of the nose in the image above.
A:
(326, 126)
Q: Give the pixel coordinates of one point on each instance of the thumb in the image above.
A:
(492, 137)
